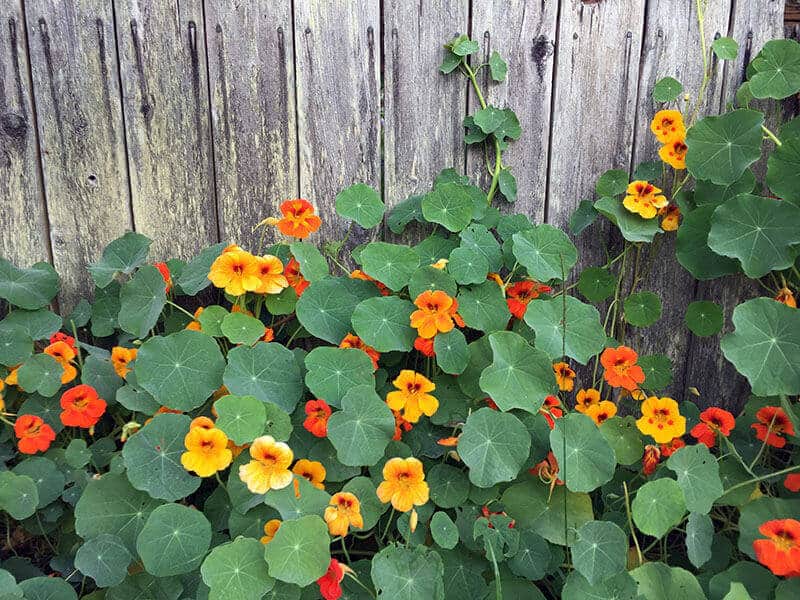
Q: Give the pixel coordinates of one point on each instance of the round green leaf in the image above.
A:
(267, 371)
(15, 345)
(691, 247)
(619, 587)
(77, 454)
(211, 320)
(291, 505)
(28, 288)
(612, 183)
(642, 309)
(443, 530)
(494, 445)
(283, 303)
(105, 559)
(449, 486)
(142, 299)
(657, 580)
(633, 227)
(299, 551)
(18, 495)
(546, 252)
(180, 370)
(408, 573)
(332, 372)
(596, 284)
(783, 165)
(144, 586)
(278, 423)
(242, 418)
(582, 217)
(153, 458)
(45, 474)
(313, 265)
(586, 459)
(532, 558)
(450, 205)
(519, 376)
(237, 571)
(657, 371)
(391, 264)
(667, 89)
(451, 351)
(725, 48)
(697, 471)
(742, 581)
(105, 310)
(600, 551)
(194, 276)
(174, 540)
(363, 428)
(699, 537)
(38, 324)
(585, 336)
(100, 374)
(136, 399)
(383, 323)
(431, 278)
(326, 306)
(468, 266)
(624, 437)
(360, 203)
(483, 307)
(240, 328)
(777, 70)
(704, 318)
(47, 588)
(122, 255)
(40, 373)
(763, 346)
(658, 507)
(478, 238)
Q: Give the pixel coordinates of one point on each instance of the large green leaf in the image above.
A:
(15, 345)
(47, 588)
(332, 372)
(45, 474)
(100, 374)
(363, 428)
(18, 495)
(105, 559)
(698, 476)
(28, 288)
(777, 70)
(657, 580)
(174, 540)
(408, 573)
(764, 346)
(721, 148)
(237, 571)
(483, 307)
(624, 437)
(600, 551)
(313, 264)
(494, 445)
(478, 238)
(432, 279)
(38, 324)
(105, 310)
(299, 551)
(619, 587)
(267, 371)
(141, 301)
(691, 247)
(450, 205)
(584, 336)
(194, 276)
(586, 459)
(642, 309)
(449, 486)
(40, 373)
(707, 192)
(360, 203)
(633, 227)
(451, 351)
(383, 323)
(403, 213)
(180, 370)
(240, 328)
(326, 306)
(241, 418)
(468, 266)
(122, 255)
(699, 538)
(391, 264)
(519, 376)
(783, 165)
(761, 232)
(704, 318)
(546, 252)
(658, 507)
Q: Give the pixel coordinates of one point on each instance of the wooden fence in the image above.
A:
(190, 120)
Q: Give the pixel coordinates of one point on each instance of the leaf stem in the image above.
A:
(630, 523)
(771, 135)
(762, 478)
(180, 308)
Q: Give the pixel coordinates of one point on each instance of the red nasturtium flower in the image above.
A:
(400, 425)
(33, 433)
(547, 472)
(773, 424)
(652, 454)
(565, 376)
(621, 369)
(551, 410)
(425, 346)
(317, 414)
(269, 334)
(82, 407)
(165, 274)
(780, 552)
(120, 357)
(712, 421)
(355, 342)
(63, 337)
(786, 296)
(330, 584)
(792, 482)
(521, 293)
(671, 447)
(298, 219)
(295, 278)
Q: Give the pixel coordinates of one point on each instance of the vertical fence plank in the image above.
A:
(672, 48)
(337, 51)
(523, 32)
(76, 89)
(23, 217)
(423, 109)
(251, 70)
(165, 102)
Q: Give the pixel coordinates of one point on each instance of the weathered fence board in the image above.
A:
(251, 71)
(23, 215)
(76, 89)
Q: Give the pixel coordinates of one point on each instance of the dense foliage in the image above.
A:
(458, 418)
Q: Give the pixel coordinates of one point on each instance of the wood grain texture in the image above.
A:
(523, 32)
(424, 109)
(23, 216)
(76, 89)
(251, 71)
(168, 131)
(337, 61)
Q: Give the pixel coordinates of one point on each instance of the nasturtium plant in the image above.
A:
(480, 413)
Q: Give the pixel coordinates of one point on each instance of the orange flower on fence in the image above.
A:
(670, 217)
(433, 313)
(661, 419)
(565, 376)
(82, 407)
(236, 272)
(64, 355)
(270, 529)
(165, 275)
(785, 296)
(403, 484)
(298, 219)
(674, 153)
(317, 413)
(712, 421)
(311, 470)
(521, 293)
(33, 434)
(601, 411)
(120, 357)
(772, 426)
(780, 552)
(667, 125)
(644, 199)
(206, 450)
(270, 274)
(295, 278)
(269, 469)
(353, 341)
(412, 396)
(343, 512)
(586, 398)
(620, 368)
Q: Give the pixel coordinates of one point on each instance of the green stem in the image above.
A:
(771, 135)
(358, 581)
(734, 452)
(762, 478)
(630, 523)
(344, 549)
(763, 445)
(180, 308)
(388, 523)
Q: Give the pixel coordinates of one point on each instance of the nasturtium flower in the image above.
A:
(353, 341)
(670, 217)
(120, 357)
(780, 551)
(519, 295)
(674, 154)
(551, 410)
(298, 219)
(565, 376)
(425, 346)
(620, 368)
(412, 396)
(165, 275)
(317, 413)
(433, 313)
(712, 421)
(64, 355)
(195, 325)
(400, 425)
(547, 472)
(403, 484)
(330, 584)
(33, 433)
(359, 274)
(206, 450)
(236, 272)
(644, 199)
(58, 336)
(652, 454)
(82, 407)
(786, 296)
(772, 426)
(601, 411)
(671, 447)
(311, 470)
(586, 398)
(440, 264)
(343, 512)
(661, 419)
(270, 529)
(269, 469)
(295, 278)
(667, 125)
(792, 482)
(497, 279)
(270, 273)
(2, 402)
(202, 422)
(269, 334)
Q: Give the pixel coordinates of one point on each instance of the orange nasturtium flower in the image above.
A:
(425, 346)
(202, 422)
(644, 199)
(317, 414)
(344, 511)
(586, 398)
(33, 433)
(652, 454)
(236, 272)
(601, 411)
(780, 552)
(295, 278)
(403, 484)
(412, 396)
(550, 410)
(311, 470)
(269, 469)
(298, 219)
(674, 153)
(353, 341)
(120, 357)
(792, 482)
(672, 447)
(547, 472)
(270, 272)
(785, 296)
(712, 421)
(64, 355)
(433, 313)
(2, 402)
(195, 325)
(661, 419)
(82, 407)
(206, 450)
(670, 217)
(521, 293)
(270, 529)
(565, 376)
(400, 425)
(667, 125)
(165, 275)
(359, 274)
(773, 424)
(621, 369)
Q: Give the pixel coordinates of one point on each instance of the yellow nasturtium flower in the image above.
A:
(403, 484)
(412, 396)
(344, 511)
(661, 419)
(269, 469)
(644, 199)
(235, 271)
(311, 470)
(206, 451)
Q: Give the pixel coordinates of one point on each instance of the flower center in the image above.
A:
(784, 540)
